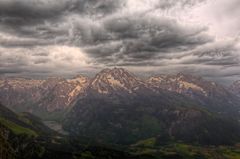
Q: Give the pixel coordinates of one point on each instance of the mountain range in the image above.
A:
(116, 107)
(56, 94)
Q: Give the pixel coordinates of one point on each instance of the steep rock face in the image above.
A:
(16, 92)
(188, 85)
(115, 80)
(50, 94)
(58, 94)
(235, 88)
(210, 94)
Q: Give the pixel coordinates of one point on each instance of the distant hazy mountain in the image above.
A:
(211, 95)
(235, 88)
(52, 94)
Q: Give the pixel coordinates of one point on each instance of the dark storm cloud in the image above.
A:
(163, 4)
(45, 20)
(22, 43)
(26, 11)
(15, 14)
(219, 53)
(96, 7)
(31, 36)
(29, 9)
(13, 61)
(141, 38)
(41, 54)
(42, 61)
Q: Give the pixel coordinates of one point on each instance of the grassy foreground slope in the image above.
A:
(151, 149)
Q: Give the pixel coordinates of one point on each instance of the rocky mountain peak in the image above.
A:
(187, 84)
(180, 83)
(181, 75)
(114, 79)
(81, 79)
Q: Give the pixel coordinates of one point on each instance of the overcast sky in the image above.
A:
(67, 37)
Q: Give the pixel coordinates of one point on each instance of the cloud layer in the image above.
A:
(150, 36)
